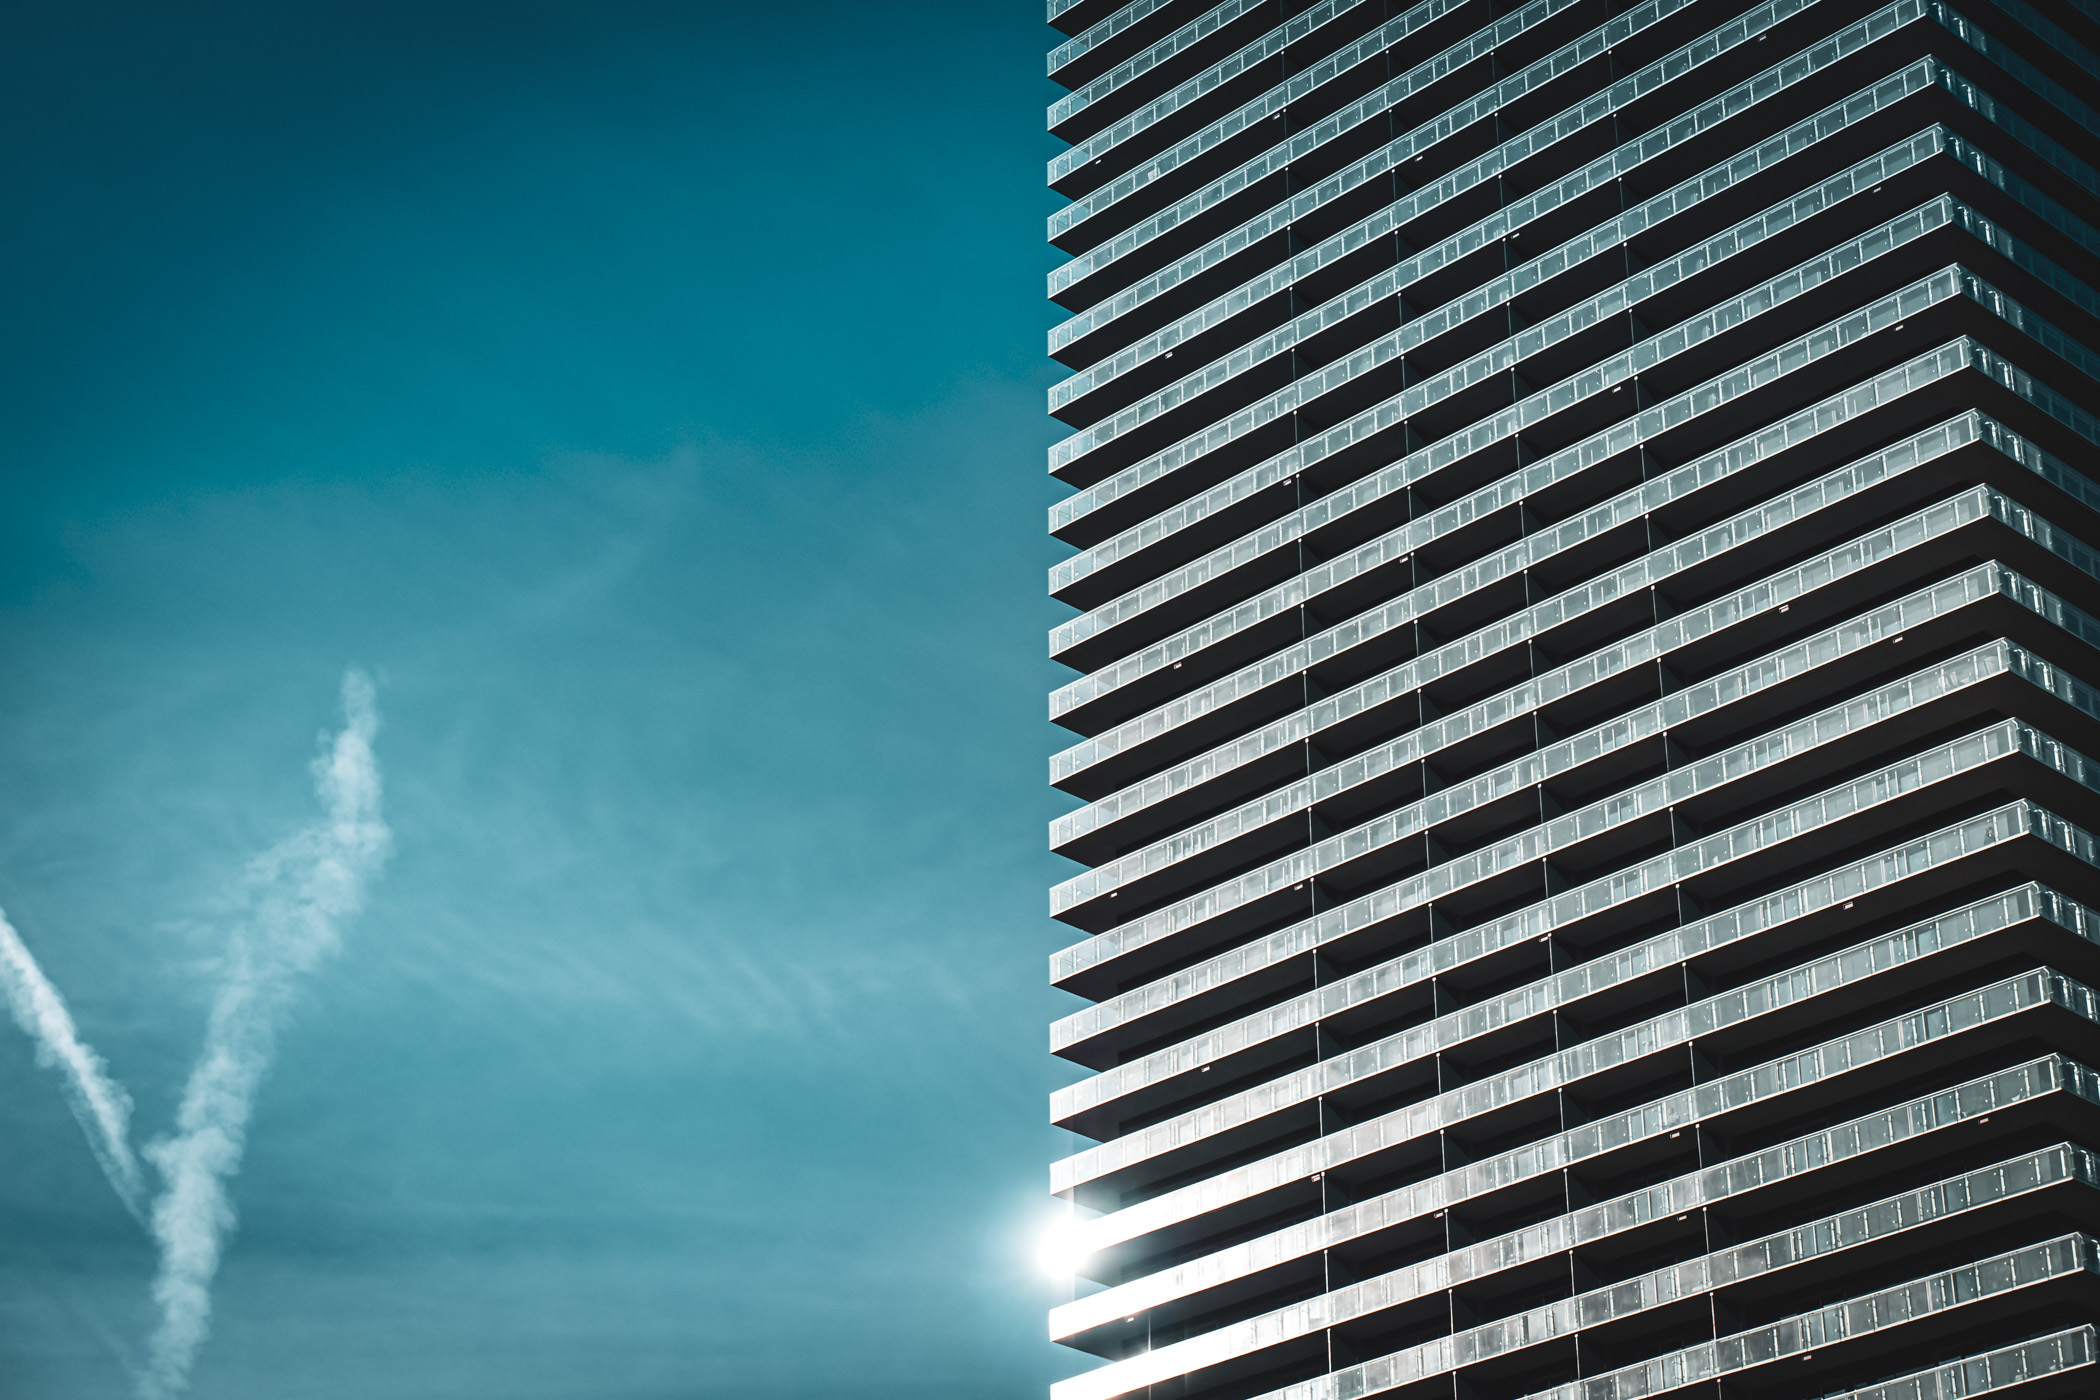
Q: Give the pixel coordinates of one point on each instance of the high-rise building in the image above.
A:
(1587, 586)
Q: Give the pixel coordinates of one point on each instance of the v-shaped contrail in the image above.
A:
(301, 892)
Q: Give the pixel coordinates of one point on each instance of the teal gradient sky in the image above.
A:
(649, 396)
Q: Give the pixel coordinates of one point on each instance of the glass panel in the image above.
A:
(1382, 485)
(1592, 1140)
(1889, 620)
(1405, 608)
(1416, 398)
(1795, 1246)
(1299, 144)
(1705, 49)
(1561, 1070)
(1975, 504)
(1448, 1032)
(1924, 73)
(1926, 1297)
(1253, 55)
(1977, 1375)
(1513, 351)
(1388, 220)
(1499, 709)
(1422, 743)
(1621, 437)
(1195, 32)
(1708, 1186)
(1587, 1224)
(1395, 280)
(1083, 42)
(1606, 376)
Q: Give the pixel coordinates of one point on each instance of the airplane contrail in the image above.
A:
(301, 891)
(101, 1105)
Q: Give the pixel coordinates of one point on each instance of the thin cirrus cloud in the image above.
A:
(686, 1046)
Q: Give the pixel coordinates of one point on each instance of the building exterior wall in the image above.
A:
(1586, 733)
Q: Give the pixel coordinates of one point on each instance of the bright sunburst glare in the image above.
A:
(1061, 1250)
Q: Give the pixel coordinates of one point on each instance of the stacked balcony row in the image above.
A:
(1586, 734)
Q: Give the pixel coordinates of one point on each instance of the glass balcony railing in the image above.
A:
(1946, 1292)
(1298, 144)
(1614, 302)
(1647, 284)
(1510, 220)
(1255, 55)
(1374, 106)
(1832, 644)
(1624, 435)
(1560, 1070)
(1917, 373)
(2057, 1354)
(1446, 1033)
(1493, 295)
(1483, 714)
(1581, 1227)
(1625, 160)
(1082, 43)
(1265, 474)
(1136, 66)
(1944, 517)
(1657, 1119)
(1746, 454)
(1599, 377)
(1627, 435)
(1765, 85)
(2025, 73)
(1605, 237)
(1327, 509)
(1823, 493)
(1810, 1242)
(1063, 453)
(1598, 1139)
(1416, 817)
(1660, 872)
(1706, 49)
(1585, 1226)
(1934, 766)
(1306, 935)
(1837, 724)
(1971, 506)
(2054, 35)
(1416, 746)
(1397, 544)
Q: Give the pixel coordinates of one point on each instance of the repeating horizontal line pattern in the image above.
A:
(1585, 749)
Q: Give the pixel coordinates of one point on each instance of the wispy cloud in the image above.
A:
(101, 1105)
(300, 893)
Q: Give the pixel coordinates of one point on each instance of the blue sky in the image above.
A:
(649, 398)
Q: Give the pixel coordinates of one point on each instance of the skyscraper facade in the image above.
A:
(1586, 742)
